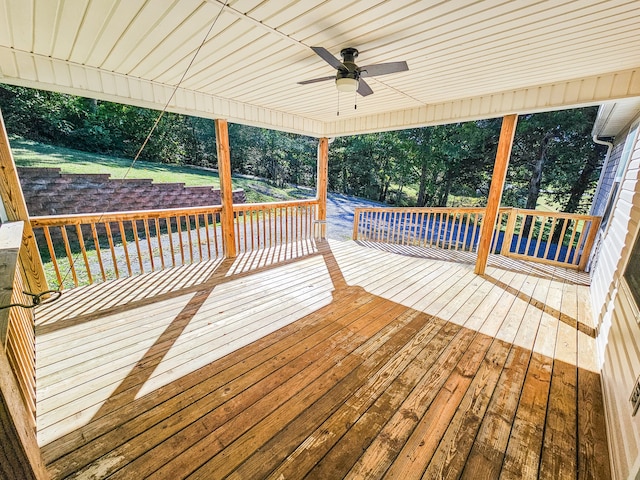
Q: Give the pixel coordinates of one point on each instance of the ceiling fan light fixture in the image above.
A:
(347, 84)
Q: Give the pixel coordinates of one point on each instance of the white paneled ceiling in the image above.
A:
(467, 58)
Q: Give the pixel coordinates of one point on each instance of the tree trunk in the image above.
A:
(536, 175)
(422, 189)
(582, 184)
(385, 190)
(535, 182)
(399, 194)
(444, 192)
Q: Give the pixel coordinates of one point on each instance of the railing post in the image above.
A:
(356, 220)
(588, 245)
(226, 192)
(16, 209)
(507, 133)
(508, 234)
(321, 184)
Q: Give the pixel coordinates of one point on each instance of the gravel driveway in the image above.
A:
(340, 214)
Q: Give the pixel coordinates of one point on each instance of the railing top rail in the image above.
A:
(421, 209)
(518, 211)
(542, 213)
(266, 205)
(81, 218)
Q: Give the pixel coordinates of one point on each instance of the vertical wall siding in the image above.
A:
(606, 180)
(618, 331)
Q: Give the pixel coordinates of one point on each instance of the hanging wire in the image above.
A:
(36, 299)
(56, 293)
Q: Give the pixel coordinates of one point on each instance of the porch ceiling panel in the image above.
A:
(467, 59)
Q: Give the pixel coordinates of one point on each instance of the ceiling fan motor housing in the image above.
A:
(348, 60)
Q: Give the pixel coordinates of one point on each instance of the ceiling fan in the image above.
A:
(349, 75)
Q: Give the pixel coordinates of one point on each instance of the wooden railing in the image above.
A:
(555, 238)
(548, 237)
(87, 248)
(446, 228)
(17, 334)
(100, 247)
(263, 225)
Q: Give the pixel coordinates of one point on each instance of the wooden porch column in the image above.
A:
(505, 143)
(14, 204)
(321, 184)
(226, 192)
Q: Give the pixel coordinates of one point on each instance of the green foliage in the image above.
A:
(553, 155)
(280, 157)
(553, 158)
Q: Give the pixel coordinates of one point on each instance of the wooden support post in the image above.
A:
(495, 191)
(16, 209)
(321, 185)
(226, 192)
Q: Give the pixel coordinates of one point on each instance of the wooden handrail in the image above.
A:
(87, 247)
(266, 205)
(556, 238)
(88, 218)
(91, 246)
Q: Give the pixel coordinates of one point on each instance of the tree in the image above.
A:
(553, 153)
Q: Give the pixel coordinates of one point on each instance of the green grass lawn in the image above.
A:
(28, 153)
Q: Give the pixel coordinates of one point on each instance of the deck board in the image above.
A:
(327, 361)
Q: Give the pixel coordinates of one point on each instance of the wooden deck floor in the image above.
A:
(329, 361)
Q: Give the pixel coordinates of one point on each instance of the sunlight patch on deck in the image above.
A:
(76, 376)
(241, 311)
(493, 304)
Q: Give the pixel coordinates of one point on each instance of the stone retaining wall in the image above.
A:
(47, 191)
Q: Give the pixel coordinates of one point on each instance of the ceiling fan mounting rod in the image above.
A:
(349, 55)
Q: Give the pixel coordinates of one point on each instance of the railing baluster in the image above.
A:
(67, 247)
(167, 222)
(52, 254)
(244, 229)
(198, 236)
(236, 226)
(137, 240)
(561, 239)
(147, 232)
(180, 239)
(579, 241)
(114, 257)
(159, 240)
(123, 239)
(96, 242)
(187, 219)
(84, 252)
(550, 237)
(539, 237)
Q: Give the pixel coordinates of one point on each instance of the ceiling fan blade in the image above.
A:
(363, 88)
(384, 68)
(315, 80)
(327, 57)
